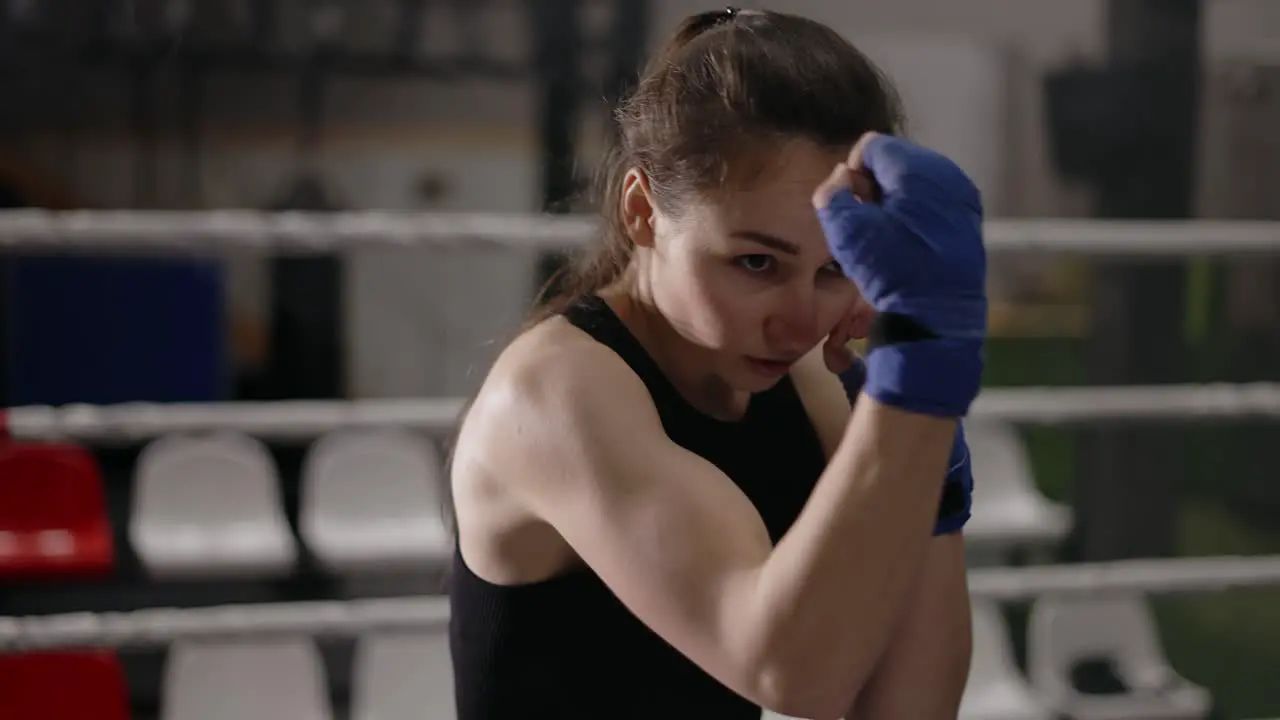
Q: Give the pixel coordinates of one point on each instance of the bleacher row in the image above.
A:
(209, 506)
(401, 675)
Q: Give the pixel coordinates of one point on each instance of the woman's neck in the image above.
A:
(690, 368)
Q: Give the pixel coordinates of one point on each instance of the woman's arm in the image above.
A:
(923, 671)
(931, 640)
(573, 434)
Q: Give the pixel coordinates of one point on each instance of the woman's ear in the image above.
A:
(637, 208)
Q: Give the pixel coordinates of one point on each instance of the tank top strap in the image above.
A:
(592, 315)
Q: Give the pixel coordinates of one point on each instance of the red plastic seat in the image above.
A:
(53, 516)
(63, 686)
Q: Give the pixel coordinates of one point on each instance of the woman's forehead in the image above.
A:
(778, 201)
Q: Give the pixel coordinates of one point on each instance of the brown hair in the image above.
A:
(726, 89)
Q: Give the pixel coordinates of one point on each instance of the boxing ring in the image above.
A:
(213, 233)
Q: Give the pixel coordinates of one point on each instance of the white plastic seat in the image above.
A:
(403, 676)
(371, 500)
(1008, 509)
(245, 680)
(210, 505)
(996, 688)
(1120, 630)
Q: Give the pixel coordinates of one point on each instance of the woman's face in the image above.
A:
(747, 274)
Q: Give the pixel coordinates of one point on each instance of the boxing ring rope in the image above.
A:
(305, 419)
(161, 626)
(158, 232)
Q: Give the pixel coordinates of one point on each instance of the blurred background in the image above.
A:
(1107, 109)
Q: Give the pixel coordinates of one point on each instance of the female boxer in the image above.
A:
(665, 507)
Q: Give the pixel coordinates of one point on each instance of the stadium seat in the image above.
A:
(34, 686)
(1119, 630)
(371, 501)
(996, 689)
(403, 676)
(243, 680)
(1008, 509)
(53, 516)
(210, 506)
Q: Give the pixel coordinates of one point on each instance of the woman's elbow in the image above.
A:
(806, 670)
(804, 691)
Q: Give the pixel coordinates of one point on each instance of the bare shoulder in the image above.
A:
(523, 444)
(823, 397)
(555, 368)
(544, 392)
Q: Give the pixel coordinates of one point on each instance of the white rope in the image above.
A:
(1130, 403)
(301, 232)
(287, 420)
(162, 626)
(306, 419)
(284, 232)
(1151, 577)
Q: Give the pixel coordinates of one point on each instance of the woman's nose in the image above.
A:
(793, 326)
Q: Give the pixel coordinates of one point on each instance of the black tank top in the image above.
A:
(566, 647)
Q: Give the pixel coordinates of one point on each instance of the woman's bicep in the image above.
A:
(923, 671)
(669, 533)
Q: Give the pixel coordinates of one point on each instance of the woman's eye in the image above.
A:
(756, 263)
(833, 268)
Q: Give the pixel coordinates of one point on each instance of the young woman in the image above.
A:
(665, 506)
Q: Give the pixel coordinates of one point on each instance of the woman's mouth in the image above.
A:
(770, 368)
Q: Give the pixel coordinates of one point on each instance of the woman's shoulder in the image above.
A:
(557, 350)
(554, 399)
(553, 410)
(554, 367)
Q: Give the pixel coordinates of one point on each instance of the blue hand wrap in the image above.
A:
(957, 490)
(918, 256)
